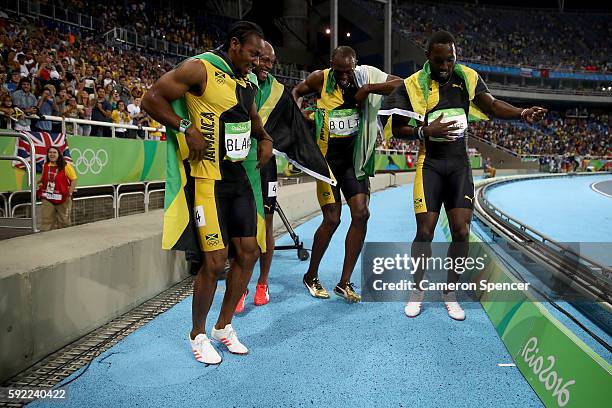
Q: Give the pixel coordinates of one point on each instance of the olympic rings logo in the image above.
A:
(89, 161)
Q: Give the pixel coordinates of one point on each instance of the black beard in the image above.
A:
(440, 80)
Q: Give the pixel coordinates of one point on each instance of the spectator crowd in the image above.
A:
(555, 135)
(46, 72)
(536, 38)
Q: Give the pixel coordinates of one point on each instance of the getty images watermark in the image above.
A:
(391, 270)
(474, 271)
(478, 272)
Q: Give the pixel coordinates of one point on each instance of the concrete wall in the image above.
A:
(58, 286)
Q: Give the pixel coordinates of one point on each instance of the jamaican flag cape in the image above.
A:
(180, 231)
(413, 99)
(283, 120)
(369, 125)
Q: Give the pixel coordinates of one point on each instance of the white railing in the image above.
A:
(145, 189)
(146, 41)
(63, 14)
(31, 170)
(75, 122)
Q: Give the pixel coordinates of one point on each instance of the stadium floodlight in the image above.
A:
(348, 34)
(327, 31)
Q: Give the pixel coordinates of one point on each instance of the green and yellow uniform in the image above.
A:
(443, 172)
(337, 131)
(223, 187)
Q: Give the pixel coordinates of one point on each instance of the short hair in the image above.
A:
(440, 37)
(23, 81)
(242, 30)
(344, 51)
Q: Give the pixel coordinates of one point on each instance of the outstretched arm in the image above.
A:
(503, 110)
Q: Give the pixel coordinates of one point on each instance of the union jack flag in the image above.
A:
(42, 141)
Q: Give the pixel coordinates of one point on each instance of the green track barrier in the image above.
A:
(561, 368)
(101, 160)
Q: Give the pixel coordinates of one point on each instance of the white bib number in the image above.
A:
(237, 140)
(198, 214)
(272, 188)
(458, 115)
(343, 122)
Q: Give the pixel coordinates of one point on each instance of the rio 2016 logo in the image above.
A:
(547, 376)
(89, 161)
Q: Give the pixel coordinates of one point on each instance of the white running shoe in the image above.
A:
(228, 337)
(203, 351)
(453, 307)
(413, 307)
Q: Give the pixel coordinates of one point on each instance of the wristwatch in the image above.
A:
(184, 125)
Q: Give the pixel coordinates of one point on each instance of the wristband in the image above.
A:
(420, 133)
(523, 113)
(184, 125)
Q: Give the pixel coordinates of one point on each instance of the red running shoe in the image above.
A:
(240, 305)
(262, 296)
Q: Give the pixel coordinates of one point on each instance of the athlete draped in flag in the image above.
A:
(210, 187)
(283, 120)
(435, 105)
(346, 128)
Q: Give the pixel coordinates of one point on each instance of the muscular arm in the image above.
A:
(384, 88)
(503, 110)
(401, 129)
(190, 75)
(312, 84)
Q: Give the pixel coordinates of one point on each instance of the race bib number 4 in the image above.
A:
(343, 122)
(458, 115)
(272, 188)
(237, 140)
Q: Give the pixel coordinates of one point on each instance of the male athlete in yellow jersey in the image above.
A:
(222, 119)
(434, 105)
(343, 91)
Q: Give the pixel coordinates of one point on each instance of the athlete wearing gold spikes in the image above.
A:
(340, 104)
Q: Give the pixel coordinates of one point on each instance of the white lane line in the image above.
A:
(506, 365)
(598, 190)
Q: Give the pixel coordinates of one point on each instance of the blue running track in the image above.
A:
(307, 352)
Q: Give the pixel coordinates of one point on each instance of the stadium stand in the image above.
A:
(77, 65)
(556, 135)
(513, 36)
